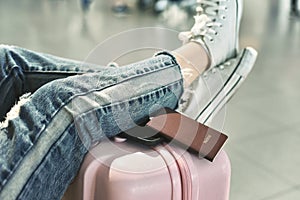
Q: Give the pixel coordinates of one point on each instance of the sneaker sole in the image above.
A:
(210, 92)
(236, 76)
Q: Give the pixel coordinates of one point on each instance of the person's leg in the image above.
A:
(193, 60)
(23, 71)
(41, 148)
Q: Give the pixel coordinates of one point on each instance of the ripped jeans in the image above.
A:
(72, 105)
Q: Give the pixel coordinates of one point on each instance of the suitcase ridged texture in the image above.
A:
(130, 171)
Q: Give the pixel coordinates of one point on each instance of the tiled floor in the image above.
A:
(262, 119)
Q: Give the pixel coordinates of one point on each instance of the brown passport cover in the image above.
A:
(195, 136)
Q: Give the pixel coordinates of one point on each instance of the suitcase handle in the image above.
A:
(149, 141)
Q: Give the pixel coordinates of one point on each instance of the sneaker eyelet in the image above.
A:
(216, 33)
(228, 63)
(223, 17)
(211, 40)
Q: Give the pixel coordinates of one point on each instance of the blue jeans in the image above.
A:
(72, 106)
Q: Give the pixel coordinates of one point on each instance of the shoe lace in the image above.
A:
(212, 7)
(205, 20)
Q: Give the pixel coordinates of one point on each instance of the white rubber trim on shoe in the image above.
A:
(242, 70)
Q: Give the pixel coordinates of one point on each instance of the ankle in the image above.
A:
(193, 60)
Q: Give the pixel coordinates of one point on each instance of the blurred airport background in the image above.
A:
(262, 119)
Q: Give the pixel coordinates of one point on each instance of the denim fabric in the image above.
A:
(25, 71)
(41, 149)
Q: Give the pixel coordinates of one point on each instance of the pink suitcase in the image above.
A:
(125, 170)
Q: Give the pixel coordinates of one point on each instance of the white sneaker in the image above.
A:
(210, 92)
(217, 29)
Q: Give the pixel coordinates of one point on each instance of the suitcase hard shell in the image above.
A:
(125, 170)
